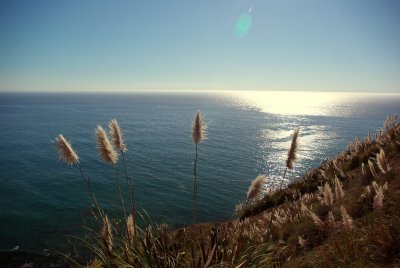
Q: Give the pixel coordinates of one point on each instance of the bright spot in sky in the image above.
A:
(243, 25)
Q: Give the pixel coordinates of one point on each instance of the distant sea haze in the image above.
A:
(42, 199)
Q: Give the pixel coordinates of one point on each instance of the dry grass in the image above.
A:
(356, 226)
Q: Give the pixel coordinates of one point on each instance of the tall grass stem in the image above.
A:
(195, 187)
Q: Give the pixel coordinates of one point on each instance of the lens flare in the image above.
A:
(243, 25)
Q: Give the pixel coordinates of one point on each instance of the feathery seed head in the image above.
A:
(331, 218)
(367, 191)
(328, 196)
(130, 226)
(116, 135)
(381, 161)
(363, 170)
(346, 219)
(239, 208)
(256, 187)
(198, 128)
(292, 150)
(106, 235)
(65, 151)
(372, 169)
(106, 150)
(376, 186)
(317, 221)
(339, 193)
(378, 199)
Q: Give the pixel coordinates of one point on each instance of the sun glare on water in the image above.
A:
(292, 103)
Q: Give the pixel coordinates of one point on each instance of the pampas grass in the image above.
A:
(119, 144)
(326, 191)
(363, 170)
(339, 193)
(67, 154)
(292, 154)
(116, 135)
(378, 199)
(109, 155)
(251, 242)
(198, 135)
(291, 157)
(372, 169)
(65, 151)
(198, 128)
(346, 219)
(331, 218)
(256, 187)
(106, 236)
(381, 161)
(131, 227)
(292, 150)
(106, 150)
(317, 221)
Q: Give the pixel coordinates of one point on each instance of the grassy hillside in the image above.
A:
(346, 213)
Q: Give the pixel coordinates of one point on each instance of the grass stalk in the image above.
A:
(194, 186)
(119, 190)
(275, 205)
(88, 185)
(131, 187)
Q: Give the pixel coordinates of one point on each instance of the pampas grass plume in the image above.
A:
(385, 186)
(376, 186)
(331, 218)
(256, 187)
(378, 199)
(363, 170)
(381, 161)
(317, 221)
(198, 128)
(65, 151)
(239, 208)
(372, 169)
(106, 235)
(367, 191)
(106, 150)
(328, 196)
(292, 150)
(346, 219)
(116, 135)
(339, 193)
(130, 226)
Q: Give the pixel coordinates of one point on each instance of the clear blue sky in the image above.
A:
(95, 45)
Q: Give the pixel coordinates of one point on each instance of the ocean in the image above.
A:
(42, 200)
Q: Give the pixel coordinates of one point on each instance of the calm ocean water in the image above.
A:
(42, 199)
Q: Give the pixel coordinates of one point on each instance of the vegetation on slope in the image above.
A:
(345, 213)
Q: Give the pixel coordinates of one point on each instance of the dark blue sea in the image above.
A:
(42, 200)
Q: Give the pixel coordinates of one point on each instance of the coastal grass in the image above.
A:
(342, 214)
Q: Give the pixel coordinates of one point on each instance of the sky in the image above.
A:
(128, 45)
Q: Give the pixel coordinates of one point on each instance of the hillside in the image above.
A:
(345, 213)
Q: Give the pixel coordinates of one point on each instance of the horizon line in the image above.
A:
(187, 91)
